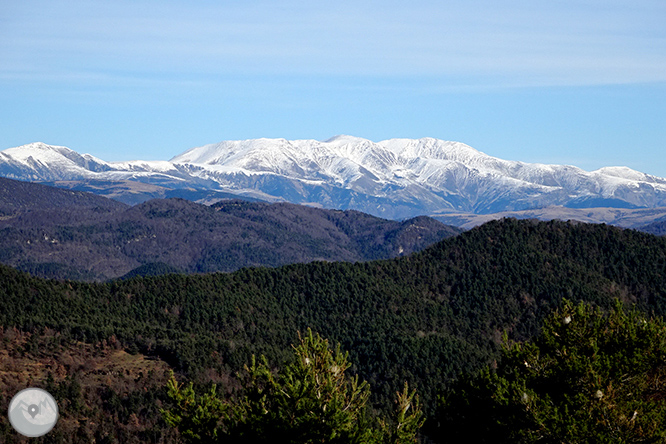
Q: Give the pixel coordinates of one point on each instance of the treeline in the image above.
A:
(424, 319)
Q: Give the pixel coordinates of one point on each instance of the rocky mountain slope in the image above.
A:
(395, 179)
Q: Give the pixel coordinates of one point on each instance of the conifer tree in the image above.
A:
(588, 377)
(312, 400)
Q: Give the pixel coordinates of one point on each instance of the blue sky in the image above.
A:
(574, 82)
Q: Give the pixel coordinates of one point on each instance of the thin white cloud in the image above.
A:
(488, 43)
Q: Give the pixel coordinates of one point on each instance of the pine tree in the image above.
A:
(588, 377)
(312, 400)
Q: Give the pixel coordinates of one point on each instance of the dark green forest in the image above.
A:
(424, 319)
(590, 376)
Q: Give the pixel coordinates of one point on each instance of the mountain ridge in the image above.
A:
(394, 178)
(57, 233)
(18, 196)
(635, 218)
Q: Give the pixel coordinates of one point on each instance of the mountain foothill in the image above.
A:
(58, 233)
(424, 319)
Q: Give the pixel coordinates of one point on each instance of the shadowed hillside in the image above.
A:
(656, 228)
(16, 196)
(60, 234)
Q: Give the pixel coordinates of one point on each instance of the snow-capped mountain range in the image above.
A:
(395, 178)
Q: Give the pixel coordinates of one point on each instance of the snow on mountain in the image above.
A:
(42, 162)
(444, 175)
(394, 178)
(38, 161)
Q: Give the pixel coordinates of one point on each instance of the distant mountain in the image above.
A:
(657, 228)
(626, 218)
(99, 239)
(128, 182)
(397, 178)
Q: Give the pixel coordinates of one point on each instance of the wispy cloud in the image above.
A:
(500, 42)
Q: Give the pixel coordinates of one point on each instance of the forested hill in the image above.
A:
(17, 196)
(55, 233)
(657, 228)
(423, 318)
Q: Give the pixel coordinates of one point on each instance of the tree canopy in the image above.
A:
(589, 376)
(313, 399)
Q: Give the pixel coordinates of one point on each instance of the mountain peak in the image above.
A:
(38, 151)
(344, 138)
(40, 146)
(621, 172)
(35, 145)
(394, 178)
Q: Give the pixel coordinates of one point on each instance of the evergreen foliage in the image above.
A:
(588, 377)
(312, 400)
